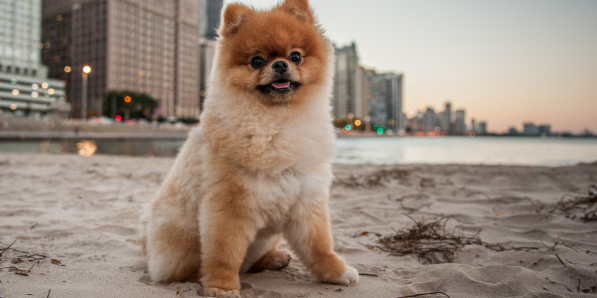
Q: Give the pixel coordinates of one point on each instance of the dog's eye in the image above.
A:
(295, 57)
(257, 62)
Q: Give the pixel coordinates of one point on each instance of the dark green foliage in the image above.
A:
(141, 105)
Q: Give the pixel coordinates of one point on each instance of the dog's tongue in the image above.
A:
(281, 85)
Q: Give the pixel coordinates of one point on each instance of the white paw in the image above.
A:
(215, 292)
(349, 277)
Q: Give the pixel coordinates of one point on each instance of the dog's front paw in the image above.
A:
(350, 276)
(216, 292)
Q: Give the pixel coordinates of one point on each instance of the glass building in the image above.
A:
(24, 86)
(139, 46)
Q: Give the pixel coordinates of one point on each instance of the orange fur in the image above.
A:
(258, 165)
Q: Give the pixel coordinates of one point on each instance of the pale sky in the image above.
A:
(504, 61)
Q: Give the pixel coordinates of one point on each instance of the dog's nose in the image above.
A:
(280, 66)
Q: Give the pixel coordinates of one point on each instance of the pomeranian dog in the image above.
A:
(258, 167)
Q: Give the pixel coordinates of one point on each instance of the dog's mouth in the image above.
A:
(281, 86)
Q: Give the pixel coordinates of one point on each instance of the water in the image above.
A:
(407, 150)
(164, 148)
(466, 150)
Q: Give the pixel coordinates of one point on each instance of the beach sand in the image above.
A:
(84, 212)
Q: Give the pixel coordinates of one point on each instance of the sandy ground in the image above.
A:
(84, 212)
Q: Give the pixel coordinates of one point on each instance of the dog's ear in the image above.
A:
(234, 15)
(300, 9)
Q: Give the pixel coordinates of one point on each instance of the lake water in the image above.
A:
(467, 150)
(405, 150)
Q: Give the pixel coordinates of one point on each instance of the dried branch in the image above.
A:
(425, 294)
(432, 243)
(582, 207)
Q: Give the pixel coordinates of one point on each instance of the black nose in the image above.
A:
(280, 66)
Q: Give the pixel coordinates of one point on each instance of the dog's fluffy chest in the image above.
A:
(272, 196)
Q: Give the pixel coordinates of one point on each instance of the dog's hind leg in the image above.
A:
(172, 246)
(263, 254)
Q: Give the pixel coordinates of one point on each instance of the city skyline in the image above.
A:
(507, 62)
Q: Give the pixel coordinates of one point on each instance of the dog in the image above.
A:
(258, 167)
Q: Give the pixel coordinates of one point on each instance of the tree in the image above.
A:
(129, 105)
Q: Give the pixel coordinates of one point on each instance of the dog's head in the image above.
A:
(276, 55)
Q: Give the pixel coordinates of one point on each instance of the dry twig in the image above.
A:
(425, 294)
(430, 241)
(583, 207)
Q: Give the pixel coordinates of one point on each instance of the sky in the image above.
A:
(504, 61)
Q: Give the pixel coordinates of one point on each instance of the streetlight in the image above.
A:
(86, 71)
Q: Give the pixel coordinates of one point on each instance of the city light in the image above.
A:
(127, 99)
(15, 92)
(51, 91)
(34, 94)
(44, 85)
(34, 86)
(13, 81)
(86, 148)
(357, 123)
(350, 116)
(13, 106)
(87, 69)
(118, 118)
(67, 69)
(348, 127)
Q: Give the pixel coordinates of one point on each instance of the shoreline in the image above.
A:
(84, 212)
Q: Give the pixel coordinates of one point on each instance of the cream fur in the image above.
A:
(277, 160)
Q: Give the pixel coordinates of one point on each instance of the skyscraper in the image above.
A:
(347, 93)
(24, 85)
(384, 96)
(364, 78)
(459, 122)
(482, 128)
(211, 11)
(207, 51)
(445, 118)
(530, 129)
(431, 121)
(140, 46)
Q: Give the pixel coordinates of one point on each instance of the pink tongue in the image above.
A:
(281, 85)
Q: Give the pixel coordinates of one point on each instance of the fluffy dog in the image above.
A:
(258, 166)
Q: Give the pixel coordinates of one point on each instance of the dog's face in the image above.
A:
(278, 55)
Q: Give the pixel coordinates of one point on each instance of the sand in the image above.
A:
(84, 212)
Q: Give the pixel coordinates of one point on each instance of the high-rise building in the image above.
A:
(544, 129)
(482, 128)
(445, 118)
(24, 84)
(211, 11)
(473, 125)
(139, 46)
(207, 51)
(530, 129)
(365, 77)
(347, 94)
(384, 97)
(431, 121)
(459, 122)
